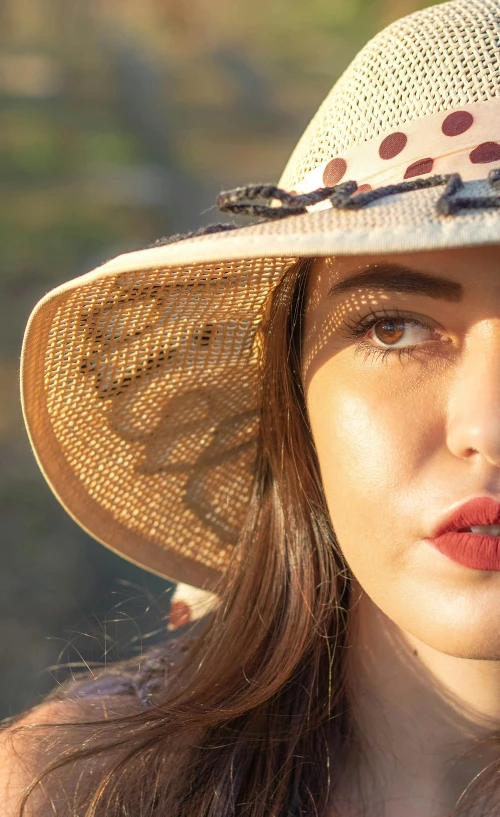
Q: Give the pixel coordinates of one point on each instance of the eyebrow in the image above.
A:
(398, 278)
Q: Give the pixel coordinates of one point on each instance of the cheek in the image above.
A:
(368, 448)
(381, 443)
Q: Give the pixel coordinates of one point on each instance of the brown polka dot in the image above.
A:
(457, 123)
(363, 188)
(293, 193)
(487, 152)
(419, 168)
(392, 145)
(334, 172)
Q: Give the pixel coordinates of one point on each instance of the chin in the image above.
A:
(478, 640)
(473, 650)
(461, 624)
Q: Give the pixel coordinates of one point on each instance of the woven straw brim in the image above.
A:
(140, 380)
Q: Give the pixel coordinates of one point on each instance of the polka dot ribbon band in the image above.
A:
(465, 141)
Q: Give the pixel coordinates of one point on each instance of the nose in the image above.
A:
(474, 400)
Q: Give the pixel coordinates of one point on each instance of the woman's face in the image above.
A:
(402, 439)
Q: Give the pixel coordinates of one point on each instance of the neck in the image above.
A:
(419, 715)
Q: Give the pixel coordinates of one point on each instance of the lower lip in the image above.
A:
(475, 550)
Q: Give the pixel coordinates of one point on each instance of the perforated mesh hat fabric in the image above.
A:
(432, 61)
(140, 380)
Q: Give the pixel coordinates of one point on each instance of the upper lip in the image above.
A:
(482, 510)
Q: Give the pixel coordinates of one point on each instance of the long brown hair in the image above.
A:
(255, 722)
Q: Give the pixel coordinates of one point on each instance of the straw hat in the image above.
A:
(140, 379)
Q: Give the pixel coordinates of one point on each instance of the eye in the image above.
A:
(389, 333)
(395, 332)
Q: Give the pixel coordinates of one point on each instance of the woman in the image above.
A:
(301, 416)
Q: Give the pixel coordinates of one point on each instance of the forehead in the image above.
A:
(469, 265)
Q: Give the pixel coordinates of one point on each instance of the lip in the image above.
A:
(474, 550)
(481, 510)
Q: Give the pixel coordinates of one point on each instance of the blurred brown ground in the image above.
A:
(120, 120)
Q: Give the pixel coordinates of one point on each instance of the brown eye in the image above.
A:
(389, 331)
(387, 334)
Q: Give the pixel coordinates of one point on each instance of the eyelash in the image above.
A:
(358, 328)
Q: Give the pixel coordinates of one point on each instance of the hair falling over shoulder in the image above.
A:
(253, 722)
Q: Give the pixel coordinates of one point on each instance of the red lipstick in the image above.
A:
(476, 550)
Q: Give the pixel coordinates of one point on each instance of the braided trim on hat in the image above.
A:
(233, 201)
(450, 205)
(212, 228)
(241, 201)
(343, 196)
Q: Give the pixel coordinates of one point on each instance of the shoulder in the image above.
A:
(30, 742)
(21, 739)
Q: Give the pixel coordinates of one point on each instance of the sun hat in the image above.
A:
(140, 379)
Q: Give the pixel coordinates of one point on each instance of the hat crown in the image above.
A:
(431, 61)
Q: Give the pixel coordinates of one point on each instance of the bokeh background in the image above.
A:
(120, 120)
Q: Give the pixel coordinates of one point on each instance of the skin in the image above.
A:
(399, 443)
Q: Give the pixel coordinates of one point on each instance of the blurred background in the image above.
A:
(120, 121)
